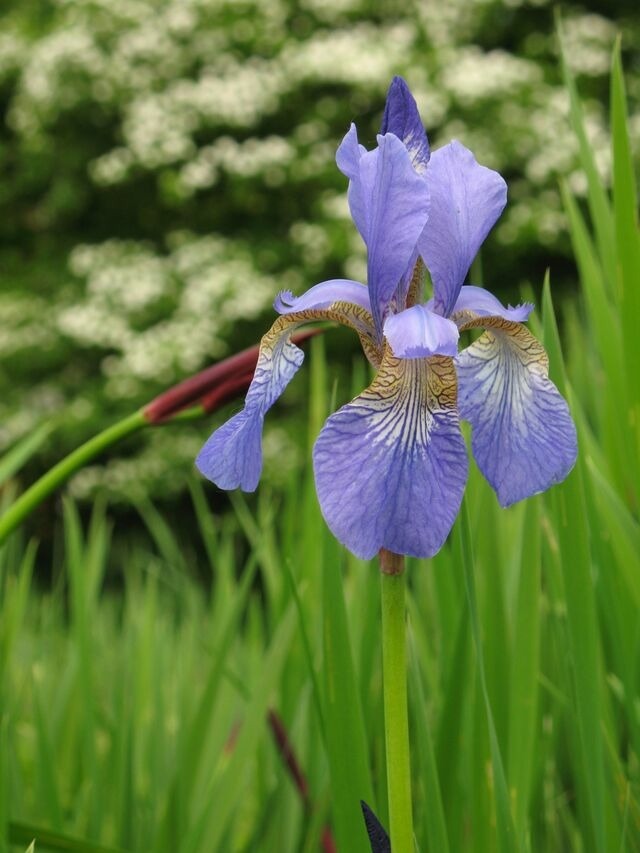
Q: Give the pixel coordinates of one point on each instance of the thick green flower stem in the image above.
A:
(60, 473)
(396, 718)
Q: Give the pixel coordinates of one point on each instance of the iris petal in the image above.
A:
(418, 332)
(349, 153)
(389, 204)
(401, 117)
(524, 439)
(466, 200)
(232, 457)
(324, 294)
(391, 466)
(479, 302)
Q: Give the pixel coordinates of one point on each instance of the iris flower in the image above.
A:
(391, 466)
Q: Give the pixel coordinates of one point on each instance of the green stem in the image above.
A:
(396, 717)
(61, 472)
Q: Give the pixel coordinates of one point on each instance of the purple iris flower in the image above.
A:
(391, 466)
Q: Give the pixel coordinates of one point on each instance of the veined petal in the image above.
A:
(391, 466)
(466, 201)
(479, 302)
(389, 203)
(232, 457)
(401, 117)
(524, 439)
(324, 294)
(417, 332)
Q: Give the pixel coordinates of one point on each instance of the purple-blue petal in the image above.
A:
(324, 294)
(232, 457)
(391, 466)
(466, 201)
(524, 439)
(390, 205)
(349, 153)
(401, 117)
(480, 302)
(417, 332)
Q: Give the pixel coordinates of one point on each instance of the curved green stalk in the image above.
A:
(60, 473)
(396, 718)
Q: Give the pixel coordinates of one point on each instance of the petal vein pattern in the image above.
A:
(232, 457)
(466, 201)
(389, 204)
(524, 439)
(391, 466)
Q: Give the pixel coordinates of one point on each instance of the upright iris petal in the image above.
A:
(466, 200)
(523, 439)
(391, 466)
(401, 117)
(389, 203)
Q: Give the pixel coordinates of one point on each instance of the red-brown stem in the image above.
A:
(227, 390)
(288, 755)
(285, 748)
(209, 382)
(390, 563)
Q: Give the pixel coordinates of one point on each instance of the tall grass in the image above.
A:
(137, 718)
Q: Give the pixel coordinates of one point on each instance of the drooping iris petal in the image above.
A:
(417, 332)
(524, 439)
(401, 117)
(466, 200)
(478, 301)
(391, 466)
(232, 457)
(389, 204)
(324, 294)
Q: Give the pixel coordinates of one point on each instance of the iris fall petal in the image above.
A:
(524, 439)
(391, 466)
(232, 457)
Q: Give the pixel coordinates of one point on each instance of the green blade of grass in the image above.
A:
(625, 206)
(507, 839)
(189, 755)
(569, 509)
(599, 205)
(19, 455)
(220, 801)
(434, 822)
(344, 721)
(25, 833)
(525, 662)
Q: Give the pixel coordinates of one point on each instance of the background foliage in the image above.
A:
(168, 167)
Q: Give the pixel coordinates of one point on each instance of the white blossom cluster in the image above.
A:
(237, 106)
(161, 318)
